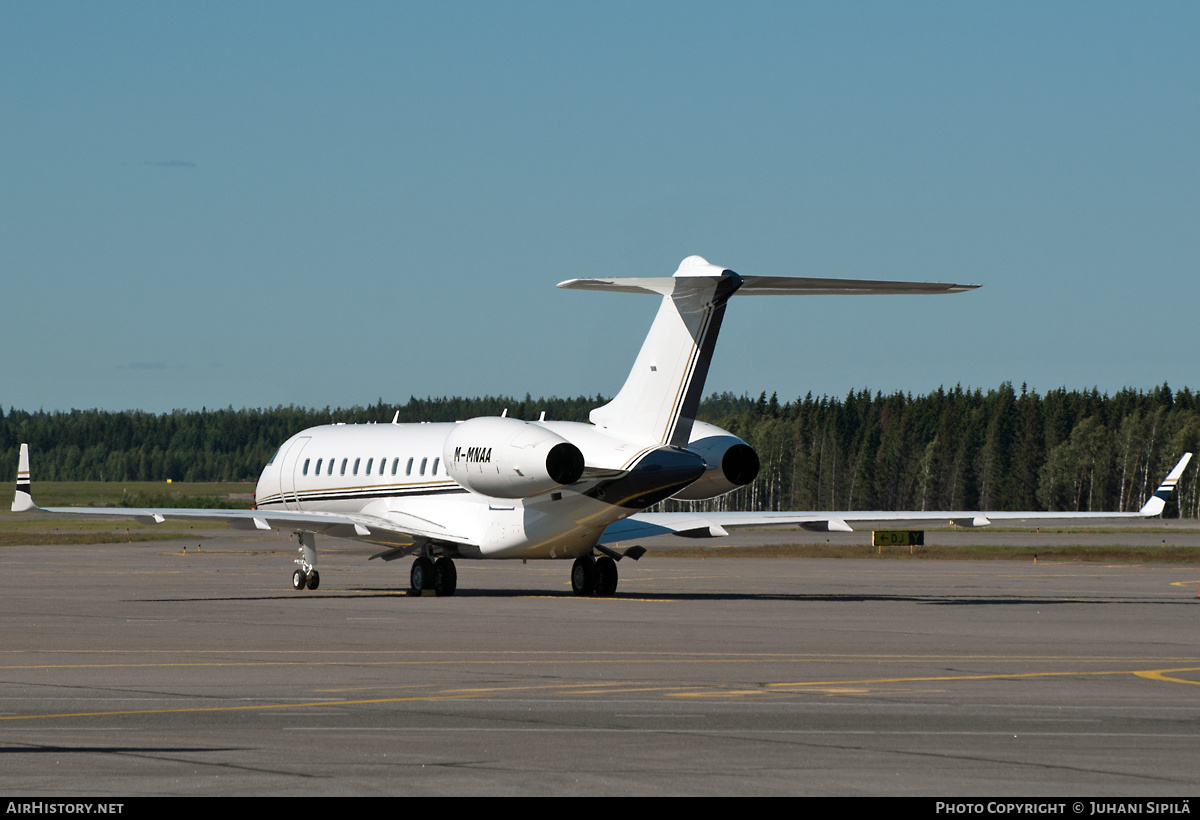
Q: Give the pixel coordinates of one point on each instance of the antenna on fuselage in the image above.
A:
(396, 418)
(504, 415)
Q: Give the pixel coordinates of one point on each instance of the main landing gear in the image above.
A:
(594, 576)
(439, 576)
(306, 575)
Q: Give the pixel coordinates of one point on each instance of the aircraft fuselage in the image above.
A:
(407, 473)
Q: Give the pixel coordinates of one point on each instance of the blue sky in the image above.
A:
(254, 204)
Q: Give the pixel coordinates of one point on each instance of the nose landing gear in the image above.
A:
(306, 576)
(302, 579)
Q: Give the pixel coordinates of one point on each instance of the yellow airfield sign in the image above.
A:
(898, 538)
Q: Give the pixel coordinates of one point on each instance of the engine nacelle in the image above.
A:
(732, 463)
(509, 458)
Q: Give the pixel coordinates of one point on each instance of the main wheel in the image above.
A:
(606, 576)
(445, 577)
(421, 577)
(314, 579)
(299, 579)
(583, 575)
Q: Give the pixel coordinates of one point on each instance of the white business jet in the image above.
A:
(499, 487)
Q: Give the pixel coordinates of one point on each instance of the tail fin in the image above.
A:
(23, 499)
(1156, 503)
(662, 393)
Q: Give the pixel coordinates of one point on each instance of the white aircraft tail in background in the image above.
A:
(663, 391)
(497, 487)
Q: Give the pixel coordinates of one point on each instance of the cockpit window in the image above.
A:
(272, 461)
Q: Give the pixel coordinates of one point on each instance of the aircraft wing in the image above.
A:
(717, 524)
(401, 531)
(371, 529)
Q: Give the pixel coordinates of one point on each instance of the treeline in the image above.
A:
(952, 449)
(216, 445)
(963, 450)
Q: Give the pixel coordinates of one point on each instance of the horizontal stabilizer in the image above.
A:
(774, 286)
(661, 395)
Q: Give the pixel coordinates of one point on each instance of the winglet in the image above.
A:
(23, 499)
(1159, 500)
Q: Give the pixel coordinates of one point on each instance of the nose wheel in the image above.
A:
(306, 580)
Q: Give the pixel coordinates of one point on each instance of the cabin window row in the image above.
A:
(370, 469)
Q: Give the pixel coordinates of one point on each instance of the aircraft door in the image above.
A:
(289, 468)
